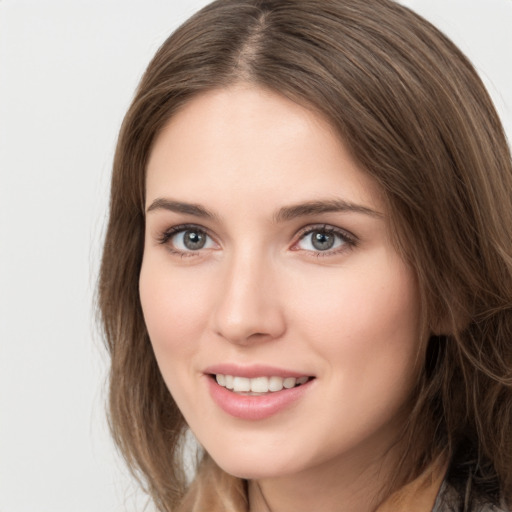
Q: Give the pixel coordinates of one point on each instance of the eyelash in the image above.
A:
(348, 240)
(164, 238)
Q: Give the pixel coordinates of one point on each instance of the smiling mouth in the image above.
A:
(258, 385)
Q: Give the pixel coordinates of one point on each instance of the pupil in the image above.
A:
(322, 241)
(194, 240)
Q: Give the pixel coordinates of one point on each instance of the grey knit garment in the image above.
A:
(449, 500)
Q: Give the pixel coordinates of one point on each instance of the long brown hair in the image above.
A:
(415, 115)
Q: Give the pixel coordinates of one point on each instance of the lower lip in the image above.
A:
(250, 407)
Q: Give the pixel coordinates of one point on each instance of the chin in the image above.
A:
(256, 464)
(249, 471)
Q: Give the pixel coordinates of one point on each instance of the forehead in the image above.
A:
(253, 142)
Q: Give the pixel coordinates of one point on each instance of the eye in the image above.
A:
(186, 239)
(324, 239)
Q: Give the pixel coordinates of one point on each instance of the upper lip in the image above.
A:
(252, 371)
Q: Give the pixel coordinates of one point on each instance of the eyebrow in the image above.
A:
(284, 214)
(324, 206)
(179, 207)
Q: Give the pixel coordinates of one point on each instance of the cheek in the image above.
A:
(175, 312)
(367, 330)
(365, 322)
(174, 306)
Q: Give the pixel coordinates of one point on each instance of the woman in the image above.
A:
(309, 264)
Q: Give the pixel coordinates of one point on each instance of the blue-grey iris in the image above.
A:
(322, 241)
(194, 240)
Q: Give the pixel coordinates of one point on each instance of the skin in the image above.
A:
(259, 292)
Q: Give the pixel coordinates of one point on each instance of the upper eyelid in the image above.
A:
(305, 229)
(186, 226)
(326, 227)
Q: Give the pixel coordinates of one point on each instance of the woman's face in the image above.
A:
(268, 266)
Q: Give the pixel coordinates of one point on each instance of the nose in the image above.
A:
(248, 308)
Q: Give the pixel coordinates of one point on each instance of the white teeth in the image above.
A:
(289, 382)
(241, 384)
(229, 381)
(258, 384)
(275, 383)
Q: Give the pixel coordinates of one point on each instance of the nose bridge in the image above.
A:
(248, 305)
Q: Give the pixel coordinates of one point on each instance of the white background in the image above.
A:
(68, 70)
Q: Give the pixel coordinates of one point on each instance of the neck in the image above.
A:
(324, 487)
(421, 493)
(351, 490)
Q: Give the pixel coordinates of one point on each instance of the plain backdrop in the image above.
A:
(68, 70)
